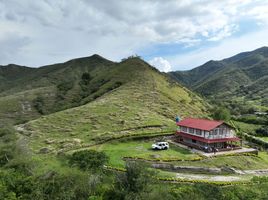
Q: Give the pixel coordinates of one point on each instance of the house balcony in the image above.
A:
(220, 136)
(209, 139)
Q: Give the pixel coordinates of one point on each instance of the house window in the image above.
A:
(198, 132)
(207, 133)
(221, 131)
(183, 129)
(191, 130)
(193, 141)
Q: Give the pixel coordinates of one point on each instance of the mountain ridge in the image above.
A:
(74, 83)
(230, 77)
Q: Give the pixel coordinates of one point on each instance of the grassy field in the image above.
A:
(239, 162)
(117, 150)
(142, 149)
(246, 128)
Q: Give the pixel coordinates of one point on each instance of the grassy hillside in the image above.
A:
(242, 76)
(144, 104)
(27, 93)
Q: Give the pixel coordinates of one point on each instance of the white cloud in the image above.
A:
(161, 64)
(225, 49)
(60, 30)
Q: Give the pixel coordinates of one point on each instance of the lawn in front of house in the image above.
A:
(239, 161)
(142, 149)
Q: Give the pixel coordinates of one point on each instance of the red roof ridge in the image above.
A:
(199, 123)
(204, 119)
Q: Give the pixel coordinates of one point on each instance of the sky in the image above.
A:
(169, 34)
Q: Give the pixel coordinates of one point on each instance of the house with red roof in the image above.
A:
(207, 135)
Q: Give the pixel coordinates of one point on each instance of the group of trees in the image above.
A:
(221, 113)
(263, 131)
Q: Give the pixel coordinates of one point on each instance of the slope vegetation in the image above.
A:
(27, 93)
(242, 76)
(144, 103)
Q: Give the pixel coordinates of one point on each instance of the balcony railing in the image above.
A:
(220, 136)
(217, 136)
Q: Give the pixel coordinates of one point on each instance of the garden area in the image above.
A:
(116, 151)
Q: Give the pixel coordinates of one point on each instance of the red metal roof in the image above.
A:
(207, 140)
(202, 124)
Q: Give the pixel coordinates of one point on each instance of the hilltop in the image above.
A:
(28, 93)
(242, 76)
(134, 99)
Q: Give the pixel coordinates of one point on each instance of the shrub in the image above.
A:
(131, 184)
(262, 131)
(65, 86)
(86, 78)
(222, 114)
(252, 119)
(88, 160)
(7, 145)
(38, 104)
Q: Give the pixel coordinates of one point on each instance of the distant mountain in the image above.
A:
(244, 75)
(27, 93)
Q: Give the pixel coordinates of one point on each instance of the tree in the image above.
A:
(38, 103)
(88, 160)
(7, 145)
(133, 184)
(222, 114)
(65, 86)
(86, 78)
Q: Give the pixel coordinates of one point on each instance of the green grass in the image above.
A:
(238, 162)
(228, 80)
(146, 104)
(246, 128)
(263, 138)
(142, 149)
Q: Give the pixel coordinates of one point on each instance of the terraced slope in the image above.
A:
(144, 104)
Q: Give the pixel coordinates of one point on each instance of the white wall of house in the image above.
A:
(221, 131)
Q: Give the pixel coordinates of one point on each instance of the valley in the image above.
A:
(118, 110)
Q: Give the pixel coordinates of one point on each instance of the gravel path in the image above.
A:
(243, 175)
(210, 177)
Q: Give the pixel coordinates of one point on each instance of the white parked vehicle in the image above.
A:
(160, 146)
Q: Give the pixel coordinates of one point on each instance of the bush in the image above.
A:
(133, 183)
(38, 104)
(7, 145)
(70, 185)
(86, 78)
(262, 131)
(65, 86)
(252, 119)
(221, 114)
(88, 160)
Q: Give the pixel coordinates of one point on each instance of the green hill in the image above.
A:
(242, 76)
(144, 103)
(27, 93)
